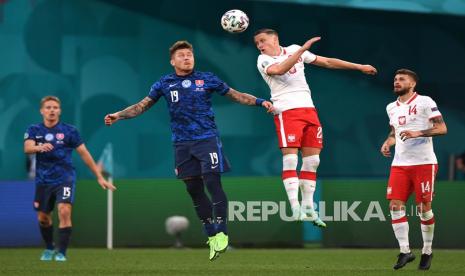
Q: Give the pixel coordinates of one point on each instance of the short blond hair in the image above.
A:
(49, 98)
(178, 45)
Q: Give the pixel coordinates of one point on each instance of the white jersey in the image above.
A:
(289, 90)
(415, 114)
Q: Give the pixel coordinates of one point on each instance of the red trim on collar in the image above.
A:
(413, 98)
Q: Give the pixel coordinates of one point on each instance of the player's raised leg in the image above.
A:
(310, 163)
(203, 209)
(291, 180)
(46, 231)
(220, 207)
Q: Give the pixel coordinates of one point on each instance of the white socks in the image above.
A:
(427, 231)
(308, 180)
(290, 179)
(400, 227)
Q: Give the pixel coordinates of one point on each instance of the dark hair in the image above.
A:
(49, 98)
(178, 45)
(266, 31)
(410, 73)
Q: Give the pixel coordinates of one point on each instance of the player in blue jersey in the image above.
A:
(199, 157)
(53, 143)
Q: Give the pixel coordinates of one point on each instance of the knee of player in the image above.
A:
(310, 163)
(290, 162)
(64, 212)
(193, 185)
(396, 205)
(45, 221)
(423, 207)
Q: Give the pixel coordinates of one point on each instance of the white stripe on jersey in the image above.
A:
(281, 128)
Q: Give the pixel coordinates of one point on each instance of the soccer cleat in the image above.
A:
(212, 243)
(47, 255)
(312, 215)
(59, 257)
(425, 261)
(298, 215)
(403, 259)
(222, 241)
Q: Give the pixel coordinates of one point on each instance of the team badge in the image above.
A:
(60, 136)
(291, 138)
(186, 83)
(199, 83)
(402, 120)
(49, 137)
(26, 135)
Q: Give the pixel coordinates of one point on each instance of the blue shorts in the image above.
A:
(195, 158)
(47, 195)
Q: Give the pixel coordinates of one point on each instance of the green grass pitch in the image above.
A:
(234, 262)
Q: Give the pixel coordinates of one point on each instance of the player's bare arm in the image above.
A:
(287, 64)
(30, 147)
(89, 161)
(439, 128)
(334, 63)
(130, 112)
(247, 99)
(390, 141)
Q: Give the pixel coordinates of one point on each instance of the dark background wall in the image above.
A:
(100, 56)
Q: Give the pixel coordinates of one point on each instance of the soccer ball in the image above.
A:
(234, 21)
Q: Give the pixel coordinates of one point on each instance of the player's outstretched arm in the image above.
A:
(247, 99)
(130, 112)
(87, 158)
(287, 64)
(334, 63)
(439, 128)
(390, 141)
(31, 147)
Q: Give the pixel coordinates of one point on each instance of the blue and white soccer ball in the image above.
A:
(235, 21)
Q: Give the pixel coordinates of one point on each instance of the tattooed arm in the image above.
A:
(439, 128)
(247, 99)
(130, 112)
(390, 141)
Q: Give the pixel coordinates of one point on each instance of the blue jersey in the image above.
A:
(54, 167)
(189, 103)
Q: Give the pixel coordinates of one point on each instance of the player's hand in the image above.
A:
(45, 147)
(105, 184)
(111, 119)
(310, 42)
(269, 106)
(386, 150)
(368, 69)
(408, 134)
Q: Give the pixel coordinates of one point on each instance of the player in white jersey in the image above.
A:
(296, 120)
(414, 119)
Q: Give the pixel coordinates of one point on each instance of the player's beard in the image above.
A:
(401, 92)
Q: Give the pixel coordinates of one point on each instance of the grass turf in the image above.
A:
(234, 262)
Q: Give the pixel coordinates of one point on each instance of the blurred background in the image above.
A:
(101, 56)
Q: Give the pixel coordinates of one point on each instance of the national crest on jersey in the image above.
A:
(54, 167)
(189, 103)
(415, 114)
(289, 90)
